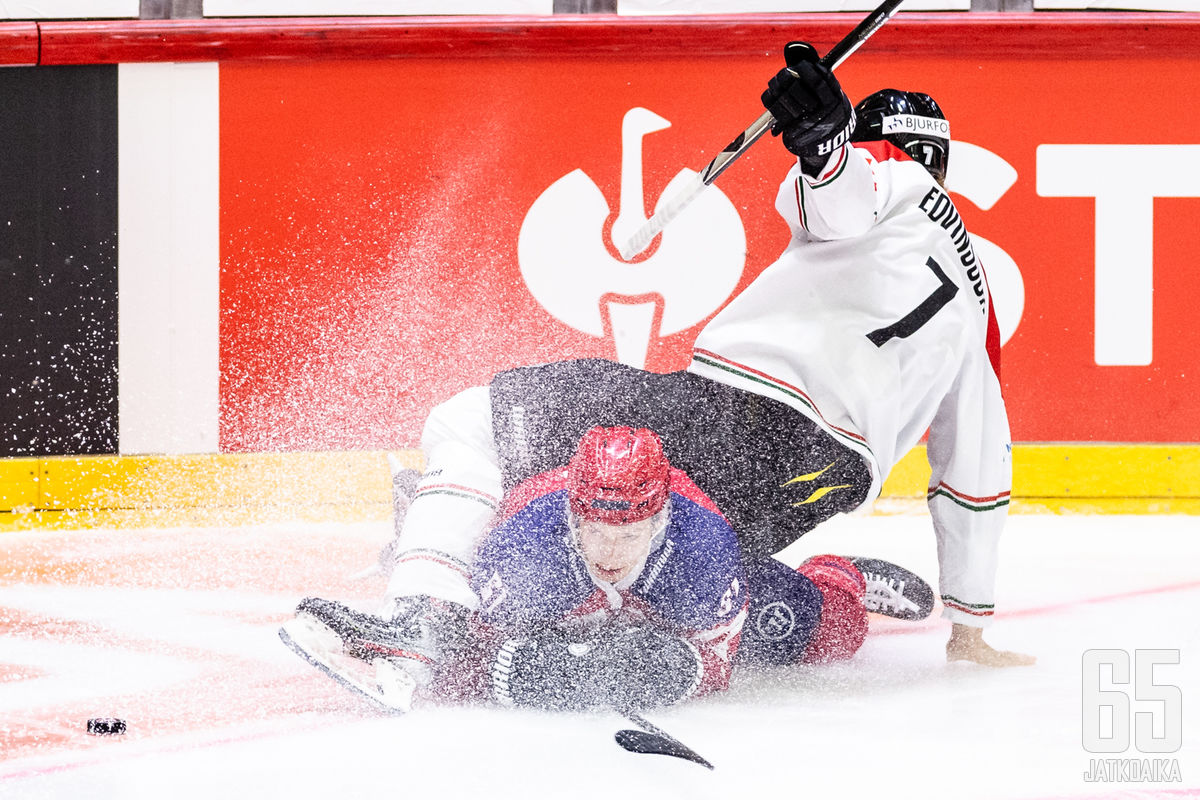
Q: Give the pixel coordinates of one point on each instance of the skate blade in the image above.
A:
(396, 685)
(321, 647)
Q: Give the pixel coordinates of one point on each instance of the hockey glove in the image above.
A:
(812, 113)
(627, 668)
(645, 667)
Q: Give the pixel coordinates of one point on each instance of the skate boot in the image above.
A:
(894, 591)
(385, 660)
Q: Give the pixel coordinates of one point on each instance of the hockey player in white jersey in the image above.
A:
(874, 326)
(877, 322)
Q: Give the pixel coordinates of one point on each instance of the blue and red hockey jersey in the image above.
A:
(529, 573)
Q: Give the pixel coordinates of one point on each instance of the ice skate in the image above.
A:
(384, 660)
(894, 591)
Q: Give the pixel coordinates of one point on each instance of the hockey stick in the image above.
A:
(653, 740)
(642, 237)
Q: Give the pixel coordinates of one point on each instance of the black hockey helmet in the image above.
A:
(912, 121)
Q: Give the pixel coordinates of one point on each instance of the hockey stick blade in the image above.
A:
(636, 741)
(672, 208)
(653, 740)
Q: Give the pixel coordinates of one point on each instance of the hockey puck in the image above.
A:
(106, 726)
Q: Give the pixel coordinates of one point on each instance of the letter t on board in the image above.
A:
(1124, 179)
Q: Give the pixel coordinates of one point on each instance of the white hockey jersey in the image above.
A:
(876, 323)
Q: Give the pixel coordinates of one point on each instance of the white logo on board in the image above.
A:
(570, 271)
(1123, 180)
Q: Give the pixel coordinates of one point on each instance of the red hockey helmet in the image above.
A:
(618, 475)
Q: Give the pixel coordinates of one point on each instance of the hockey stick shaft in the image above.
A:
(671, 209)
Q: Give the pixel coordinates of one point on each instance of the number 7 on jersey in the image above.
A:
(913, 320)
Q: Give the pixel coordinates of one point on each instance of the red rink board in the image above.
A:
(371, 211)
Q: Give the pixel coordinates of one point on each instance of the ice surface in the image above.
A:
(175, 631)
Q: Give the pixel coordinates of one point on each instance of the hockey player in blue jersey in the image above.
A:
(613, 582)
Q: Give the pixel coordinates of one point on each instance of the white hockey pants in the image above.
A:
(454, 503)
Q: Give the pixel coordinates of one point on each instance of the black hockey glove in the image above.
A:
(811, 111)
(625, 669)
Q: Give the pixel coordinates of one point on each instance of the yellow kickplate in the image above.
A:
(1107, 471)
(18, 483)
(1113, 478)
(216, 480)
(1081, 478)
(210, 480)
(195, 517)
